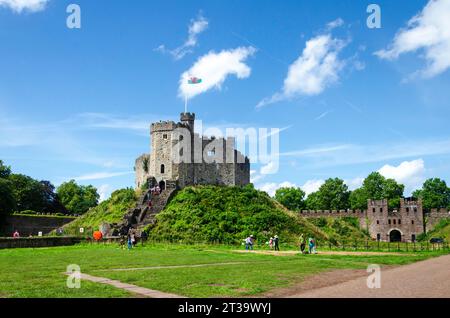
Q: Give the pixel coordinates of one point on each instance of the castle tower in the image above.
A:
(188, 119)
(161, 163)
(377, 215)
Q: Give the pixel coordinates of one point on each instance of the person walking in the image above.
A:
(302, 244)
(130, 243)
(144, 237)
(276, 242)
(249, 243)
(314, 246)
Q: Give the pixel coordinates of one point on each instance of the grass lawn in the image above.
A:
(39, 272)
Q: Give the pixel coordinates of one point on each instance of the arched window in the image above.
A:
(162, 168)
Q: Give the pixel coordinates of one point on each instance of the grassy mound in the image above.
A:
(441, 230)
(228, 215)
(342, 229)
(109, 211)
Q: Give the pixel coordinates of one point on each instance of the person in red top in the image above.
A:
(16, 234)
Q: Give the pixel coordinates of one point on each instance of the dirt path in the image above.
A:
(168, 267)
(130, 288)
(425, 279)
(291, 253)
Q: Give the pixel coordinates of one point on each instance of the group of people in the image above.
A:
(155, 190)
(274, 244)
(311, 245)
(131, 239)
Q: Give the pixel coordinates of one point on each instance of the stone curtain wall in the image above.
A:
(27, 225)
(38, 242)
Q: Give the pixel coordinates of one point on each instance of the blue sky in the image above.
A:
(77, 103)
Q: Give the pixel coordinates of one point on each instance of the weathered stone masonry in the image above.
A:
(385, 224)
(170, 140)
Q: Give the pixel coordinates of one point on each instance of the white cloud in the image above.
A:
(101, 175)
(272, 187)
(213, 68)
(409, 173)
(196, 27)
(354, 183)
(24, 5)
(311, 186)
(335, 24)
(270, 168)
(104, 191)
(255, 176)
(428, 31)
(352, 154)
(314, 70)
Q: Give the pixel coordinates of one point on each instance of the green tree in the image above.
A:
(333, 195)
(291, 198)
(377, 187)
(28, 193)
(312, 201)
(5, 171)
(393, 191)
(434, 194)
(7, 202)
(374, 186)
(358, 199)
(76, 198)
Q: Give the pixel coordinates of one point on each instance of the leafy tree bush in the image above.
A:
(31, 194)
(333, 195)
(291, 198)
(312, 201)
(377, 187)
(5, 171)
(7, 202)
(434, 194)
(76, 198)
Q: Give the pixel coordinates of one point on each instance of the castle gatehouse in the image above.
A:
(390, 225)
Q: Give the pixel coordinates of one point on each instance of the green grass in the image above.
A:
(109, 211)
(39, 272)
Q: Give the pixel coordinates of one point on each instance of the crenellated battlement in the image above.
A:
(163, 126)
(333, 213)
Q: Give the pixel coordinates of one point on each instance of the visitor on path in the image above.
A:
(249, 243)
(276, 243)
(144, 237)
(302, 244)
(133, 239)
(122, 241)
(16, 234)
(312, 246)
(271, 243)
(130, 243)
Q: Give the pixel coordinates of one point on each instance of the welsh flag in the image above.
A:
(194, 80)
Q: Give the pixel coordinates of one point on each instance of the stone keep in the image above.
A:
(179, 158)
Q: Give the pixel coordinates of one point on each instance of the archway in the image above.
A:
(162, 185)
(395, 236)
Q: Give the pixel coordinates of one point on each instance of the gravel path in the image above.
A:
(425, 279)
(142, 291)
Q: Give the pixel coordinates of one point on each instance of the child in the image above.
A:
(271, 243)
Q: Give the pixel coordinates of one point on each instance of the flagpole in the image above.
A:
(185, 103)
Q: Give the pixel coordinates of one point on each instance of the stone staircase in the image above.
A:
(143, 214)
